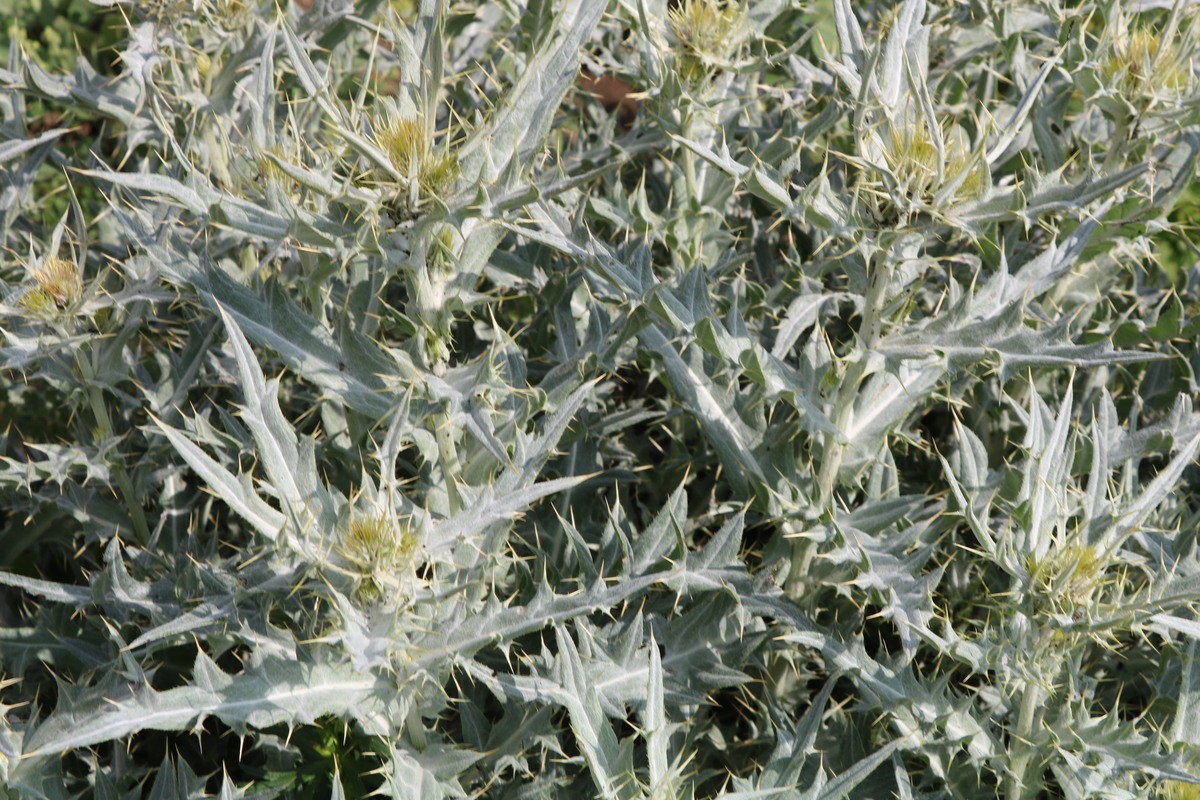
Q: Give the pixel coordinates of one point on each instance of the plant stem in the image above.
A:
(834, 447)
(451, 466)
(1022, 781)
(833, 450)
(141, 528)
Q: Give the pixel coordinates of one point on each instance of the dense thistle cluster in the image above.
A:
(811, 414)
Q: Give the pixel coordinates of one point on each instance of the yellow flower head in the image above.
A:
(58, 286)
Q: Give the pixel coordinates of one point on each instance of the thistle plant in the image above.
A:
(384, 416)
(56, 287)
(1145, 66)
(707, 35)
(427, 174)
(380, 556)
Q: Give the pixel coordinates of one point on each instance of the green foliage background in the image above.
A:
(386, 413)
(57, 32)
